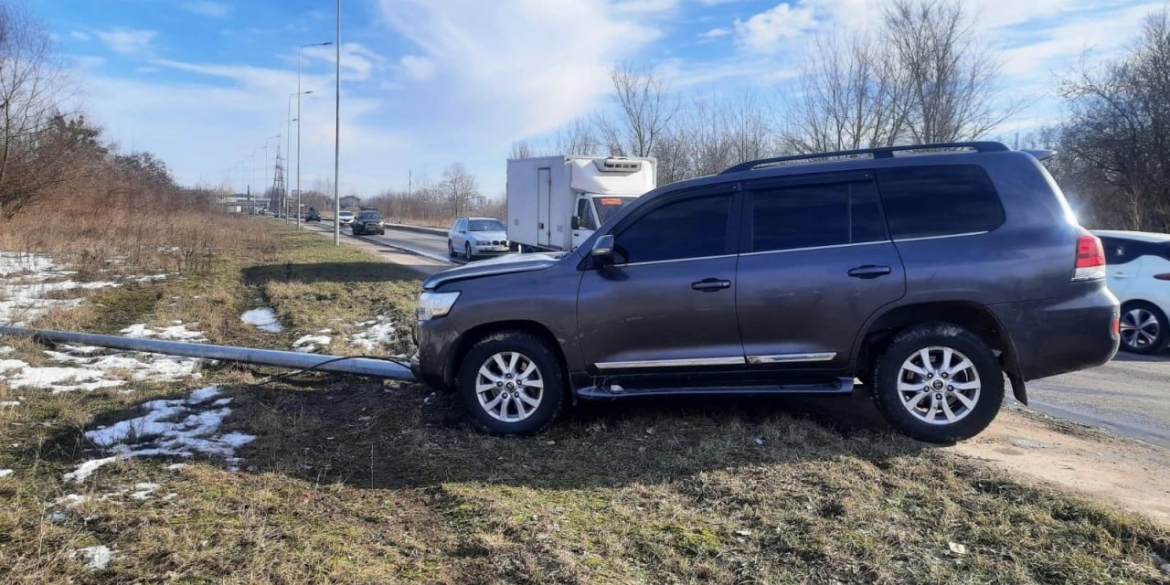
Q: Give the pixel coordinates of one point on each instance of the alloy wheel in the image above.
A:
(939, 385)
(509, 386)
(1139, 328)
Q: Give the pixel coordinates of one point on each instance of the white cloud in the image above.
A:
(358, 59)
(718, 2)
(514, 68)
(418, 68)
(767, 31)
(208, 8)
(715, 33)
(125, 41)
(80, 35)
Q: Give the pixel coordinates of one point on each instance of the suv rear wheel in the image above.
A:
(938, 383)
(512, 384)
(1143, 328)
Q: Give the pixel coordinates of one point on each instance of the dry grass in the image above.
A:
(361, 481)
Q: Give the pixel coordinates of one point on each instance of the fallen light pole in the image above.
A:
(379, 368)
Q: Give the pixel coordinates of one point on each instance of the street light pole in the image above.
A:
(299, 94)
(337, 139)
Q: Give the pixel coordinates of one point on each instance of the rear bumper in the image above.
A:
(1058, 336)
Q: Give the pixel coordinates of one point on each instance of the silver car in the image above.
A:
(477, 236)
(345, 217)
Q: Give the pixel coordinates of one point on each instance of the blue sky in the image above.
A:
(203, 83)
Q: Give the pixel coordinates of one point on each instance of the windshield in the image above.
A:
(370, 215)
(608, 206)
(346, 214)
(485, 225)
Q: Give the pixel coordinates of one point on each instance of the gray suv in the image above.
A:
(927, 273)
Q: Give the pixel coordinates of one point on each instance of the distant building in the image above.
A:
(351, 201)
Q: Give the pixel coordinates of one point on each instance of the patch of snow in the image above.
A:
(378, 332)
(86, 469)
(175, 466)
(81, 349)
(170, 497)
(5, 350)
(172, 333)
(61, 379)
(325, 331)
(10, 403)
(143, 490)
(70, 500)
(169, 427)
(98, 557)
(5, 472)
(311, 343)
(16, 263)
(152, 277)
(263, 319)
(222, 402)
(58, 517)
(9, 365)
(80, 371)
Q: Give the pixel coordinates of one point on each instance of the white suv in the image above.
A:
(1139, 274)
(345, 217)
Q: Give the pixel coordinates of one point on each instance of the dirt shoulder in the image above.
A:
(1086, 460)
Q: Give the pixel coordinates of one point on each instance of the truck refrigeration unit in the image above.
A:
(556, 202)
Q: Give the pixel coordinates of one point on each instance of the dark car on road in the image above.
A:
(312, 215)
(927, 273)
(367, 222)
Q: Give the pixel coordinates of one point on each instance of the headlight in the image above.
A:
(432, 305)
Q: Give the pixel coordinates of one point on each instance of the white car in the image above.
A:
(345, 217)
(477, 236)
(1138, 265)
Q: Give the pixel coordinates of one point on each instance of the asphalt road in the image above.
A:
(1129, 396)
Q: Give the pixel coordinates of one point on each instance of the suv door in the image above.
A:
(817, 262)
(668, 301)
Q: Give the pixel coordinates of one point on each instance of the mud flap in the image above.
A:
(1018, 389)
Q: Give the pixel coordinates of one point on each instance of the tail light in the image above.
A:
(1090, 259)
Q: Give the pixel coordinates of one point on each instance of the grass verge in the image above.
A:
(361, 481)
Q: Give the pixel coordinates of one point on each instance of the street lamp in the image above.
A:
(299, 94)
(337, 138)
(289, 149)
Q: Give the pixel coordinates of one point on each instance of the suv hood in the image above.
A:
(501, 265)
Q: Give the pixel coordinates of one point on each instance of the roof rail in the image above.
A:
(876, 153)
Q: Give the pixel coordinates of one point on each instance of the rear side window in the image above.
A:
(923, 202)
(1118, 251)
(813, 216)
(691, 228)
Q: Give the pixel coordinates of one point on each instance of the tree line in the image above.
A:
(53, 156)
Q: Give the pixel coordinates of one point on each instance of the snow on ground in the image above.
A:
(180, 428)
(5, 473)
(97, 557)
(5, 350)
(33, 285)
(9, 403)
(311, 343)
(77, 369)
(378, 332)
(263, 319)
(176, 332)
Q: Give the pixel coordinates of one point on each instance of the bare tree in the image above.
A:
(646, 108)
(521, 149)
(948, 75)
(459, 188)
(1115, 148)
(579, 137)
(30, 90)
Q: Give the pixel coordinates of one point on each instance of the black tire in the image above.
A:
(1138, 340)
(938, 336)
(530, 349)
(450, 249)
(467, 251)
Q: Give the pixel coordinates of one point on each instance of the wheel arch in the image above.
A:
(977, 318)
(479, 332)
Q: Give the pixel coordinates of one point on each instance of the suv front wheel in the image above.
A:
(512, 384)
(938, 383)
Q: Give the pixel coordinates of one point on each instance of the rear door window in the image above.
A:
(943, 200)
(814, 216)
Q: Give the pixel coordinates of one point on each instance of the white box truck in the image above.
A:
(556, 202)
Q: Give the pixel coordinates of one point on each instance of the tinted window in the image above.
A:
(1117, 251)
(922, 202)
(369, 215)
(815, 215)
(691, 228)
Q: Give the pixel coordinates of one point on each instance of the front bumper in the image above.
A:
(488, 249)
(435, 340)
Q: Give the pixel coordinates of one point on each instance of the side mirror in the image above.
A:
(575, 223)
(602, 251)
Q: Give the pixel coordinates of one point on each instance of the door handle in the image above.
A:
(711, 284)
(869, 271)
